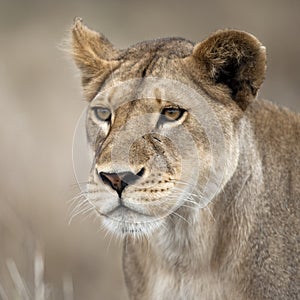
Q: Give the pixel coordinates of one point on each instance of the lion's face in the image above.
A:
(162, 123)
(144, 160)
(158, 151)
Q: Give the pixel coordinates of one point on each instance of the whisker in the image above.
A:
(78, 205)
(81, 208)
(183, 218)
(88, 213)
(189, 193)
(109, 241)
(75, 198)
(211, 214)
(190, 206)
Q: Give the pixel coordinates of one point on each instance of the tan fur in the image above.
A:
(245, 244)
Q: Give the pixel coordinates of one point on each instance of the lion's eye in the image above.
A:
(171, 114)
(102, 113)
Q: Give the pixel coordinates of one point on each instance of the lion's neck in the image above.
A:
(184, 240)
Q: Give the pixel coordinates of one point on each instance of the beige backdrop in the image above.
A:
(40, 102)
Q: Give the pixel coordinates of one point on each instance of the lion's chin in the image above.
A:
(123, 221)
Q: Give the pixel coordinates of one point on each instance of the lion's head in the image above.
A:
(163, 122)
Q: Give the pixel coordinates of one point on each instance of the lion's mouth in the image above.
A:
(123, 221)
(122, 211)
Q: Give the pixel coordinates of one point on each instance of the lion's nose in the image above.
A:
(118, 181)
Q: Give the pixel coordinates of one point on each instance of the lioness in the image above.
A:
(205, 193)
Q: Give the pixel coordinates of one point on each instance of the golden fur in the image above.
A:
(245, 243)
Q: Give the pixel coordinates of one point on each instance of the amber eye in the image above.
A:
(171, 114)
(102, 113)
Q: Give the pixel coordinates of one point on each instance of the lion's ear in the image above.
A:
(94, 55)
(234, 59)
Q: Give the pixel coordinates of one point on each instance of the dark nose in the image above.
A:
(118, 181)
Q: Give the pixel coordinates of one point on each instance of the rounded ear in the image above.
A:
(94, 55)
(234, 59)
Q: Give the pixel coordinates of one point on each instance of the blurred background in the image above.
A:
(40, 103)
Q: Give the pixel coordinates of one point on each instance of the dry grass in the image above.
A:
(38, 289)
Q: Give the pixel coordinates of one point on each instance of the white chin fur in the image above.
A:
(122, 227)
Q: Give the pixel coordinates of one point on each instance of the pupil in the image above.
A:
(172, 113)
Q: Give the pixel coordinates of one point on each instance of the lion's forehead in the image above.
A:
(168, 90)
